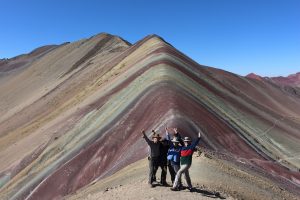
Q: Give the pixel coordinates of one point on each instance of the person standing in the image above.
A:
(186, 155)
(154, 157)
(173, 156)
(178, 136)
(164, 161)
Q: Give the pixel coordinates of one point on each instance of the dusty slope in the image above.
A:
(21, 61)
(41, 95)
(211, 177)
(75, 115)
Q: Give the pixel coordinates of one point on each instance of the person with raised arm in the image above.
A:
(186, 155)
(154, 156)
(178, 136)
(173, 155)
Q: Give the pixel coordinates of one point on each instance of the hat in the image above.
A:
(175, 140)
(156, 135)
(187, 139)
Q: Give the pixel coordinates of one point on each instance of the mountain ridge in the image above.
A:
(88, 122)
(291, 80)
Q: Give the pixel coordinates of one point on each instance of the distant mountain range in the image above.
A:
(290, 84)
(291, 80)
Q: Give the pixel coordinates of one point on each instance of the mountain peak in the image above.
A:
(156, 38)
(116, 37)
(254, 76)
(87, 125)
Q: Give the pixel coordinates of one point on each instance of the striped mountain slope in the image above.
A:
(74, 114)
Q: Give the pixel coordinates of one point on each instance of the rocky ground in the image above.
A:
(211, 177)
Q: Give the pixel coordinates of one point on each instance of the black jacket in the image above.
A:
(155, 148)
(164, 153)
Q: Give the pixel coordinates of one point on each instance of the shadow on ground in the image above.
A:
(207, 193)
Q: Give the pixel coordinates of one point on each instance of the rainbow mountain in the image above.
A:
(72, 115)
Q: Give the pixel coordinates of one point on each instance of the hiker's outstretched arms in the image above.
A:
(195, 143)
(166, 128)
(167, 134)
(145, 137)
(169, 138)
(178, 135)
(143, 133)
(175, 130)
(199, 134)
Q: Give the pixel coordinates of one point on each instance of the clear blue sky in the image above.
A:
(241, 36)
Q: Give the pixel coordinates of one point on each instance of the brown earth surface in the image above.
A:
(211, 177)
(72, 114)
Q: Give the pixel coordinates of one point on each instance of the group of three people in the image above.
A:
(175, 154)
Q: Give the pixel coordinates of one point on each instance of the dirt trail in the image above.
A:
(212, 178)
(139, 190)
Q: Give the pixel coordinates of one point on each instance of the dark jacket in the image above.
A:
(155, 148)
(164, 152)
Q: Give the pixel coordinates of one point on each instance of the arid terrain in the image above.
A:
(71, 117)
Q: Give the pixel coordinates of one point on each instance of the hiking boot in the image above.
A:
(192, 189)
(174, 189)
(165, 184)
